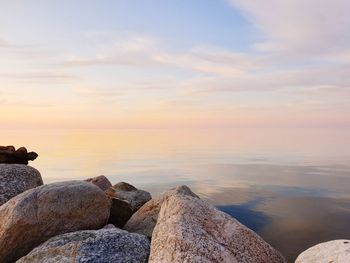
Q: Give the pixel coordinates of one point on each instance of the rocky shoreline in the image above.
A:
(95, 221)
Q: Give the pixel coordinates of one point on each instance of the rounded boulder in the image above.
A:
(17, 178)
(36, 215)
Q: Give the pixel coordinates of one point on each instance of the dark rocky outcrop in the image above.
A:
(8, 154)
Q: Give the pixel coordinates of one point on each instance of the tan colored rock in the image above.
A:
(95, 246)
(36, 215)
(336, 251)
(100, 181)
(190, 230)
(145, 219)
(17, 178)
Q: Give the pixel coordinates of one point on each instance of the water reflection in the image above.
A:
(245, 213)
(291, 186)
(290, 222)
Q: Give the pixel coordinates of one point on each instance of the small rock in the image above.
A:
(190, 230)
(100, 181)
(38, 214)
(17, 178)
(8, 154)
(336, 251)
(109, 226)
(145, 219)
(97, 246)
(131, 194)
(120, 212)
(126, 200)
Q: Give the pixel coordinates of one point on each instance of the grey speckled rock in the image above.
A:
(95, 246)
(145, 219)
(17, 178)
(336, 251)
(38, 214)
(190, 230)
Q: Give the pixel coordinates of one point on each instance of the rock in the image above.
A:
(97, 246)
(190, 230)
(126, 200)
(145, 219)
(8, 154)
(38, 214)
(336, 251)
(120, 212)
(109, 226)
(100, 181)
(8, 148)
(129, 193)
(17, 178)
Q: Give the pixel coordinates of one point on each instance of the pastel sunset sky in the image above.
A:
(174, 63)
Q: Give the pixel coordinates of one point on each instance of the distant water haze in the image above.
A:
(289, 185)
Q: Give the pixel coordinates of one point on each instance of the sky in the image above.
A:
(174, 63)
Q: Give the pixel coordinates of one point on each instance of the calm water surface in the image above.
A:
(292, 186)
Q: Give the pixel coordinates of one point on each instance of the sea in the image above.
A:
(290, 185)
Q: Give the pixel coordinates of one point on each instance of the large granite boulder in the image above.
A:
(17, 178)
(8, 154)
(97, 246)
(38, 214)
(190, 230)
(336, 251)
(145, 219)
(126, 200)
(100, 181)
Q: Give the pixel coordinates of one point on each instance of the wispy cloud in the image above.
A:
(39, 77)
(298, 27)
(99, 95)
(5, 44)
(23, 104)
(151, 52)
(300, 66)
